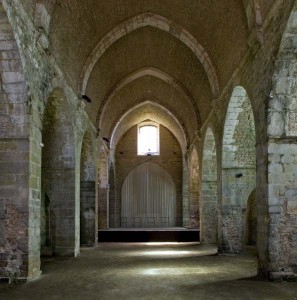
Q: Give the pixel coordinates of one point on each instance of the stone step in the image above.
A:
(148, 235)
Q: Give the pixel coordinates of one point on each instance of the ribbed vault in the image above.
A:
(124, 50)
(169, 52)
(149, 48)
(156, 21)
(149, 71)
(156, 90)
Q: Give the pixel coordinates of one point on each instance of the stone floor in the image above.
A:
(150, 271)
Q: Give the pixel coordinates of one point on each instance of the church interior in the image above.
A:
(148, 149)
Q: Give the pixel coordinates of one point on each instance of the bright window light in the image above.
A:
(148, 139)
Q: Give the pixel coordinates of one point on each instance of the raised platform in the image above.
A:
(140, 235)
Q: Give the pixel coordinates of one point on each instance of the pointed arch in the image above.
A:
(42, 14)
(120, 129)
(151, 71)
(156, 21)
(238, 170)
(258, 13)
(253, 13)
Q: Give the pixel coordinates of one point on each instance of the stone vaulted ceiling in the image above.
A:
(178, 54)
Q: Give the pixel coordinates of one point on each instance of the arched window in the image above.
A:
(148, 139)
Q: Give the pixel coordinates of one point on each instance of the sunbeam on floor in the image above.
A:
(150, 271)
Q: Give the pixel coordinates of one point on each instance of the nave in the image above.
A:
(150, 271)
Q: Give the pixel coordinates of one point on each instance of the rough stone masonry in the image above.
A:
(78, 77)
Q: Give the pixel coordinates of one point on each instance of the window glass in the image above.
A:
(148, 140)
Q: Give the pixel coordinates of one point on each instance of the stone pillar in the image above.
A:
(282, 208)
(194, 218)
(185, 208)
(194, 190)
(60, 188)
(263, 214)
(209, 203)
(88, 234)
(103, 207)
(103, 190)
(280, 213)
(88, 192)
(209, 212)
(19, 165)
(60, 175)
(19, 211)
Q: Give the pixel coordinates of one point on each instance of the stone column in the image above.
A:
(88, 234)
(19, 208)
(103, 214)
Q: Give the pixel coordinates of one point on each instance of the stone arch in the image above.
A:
(140, 208)
(58, 177)
(209, 188)
(88, 214)
(119, 129)
(282, 158)
(145, 72)
(253, 13)
(156, 21)
(194, 190)
(42, 14)
(258, 13)
(238, 170)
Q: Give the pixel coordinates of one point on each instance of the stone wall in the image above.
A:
(88, 199)
(88, 232)
(103, 190)
(209, 191)
(29, 74)
(254, 73)
(111, 196)
(282, 158)
(194, 191)
(251, 220)
(186, 193)
(15, 165)
(170, 159)
(235, 193)
(282, 207)
(58, 174)
(238, 170)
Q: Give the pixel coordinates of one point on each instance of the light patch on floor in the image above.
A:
(160, 271)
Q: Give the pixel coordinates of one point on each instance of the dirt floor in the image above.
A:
(150, 271)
